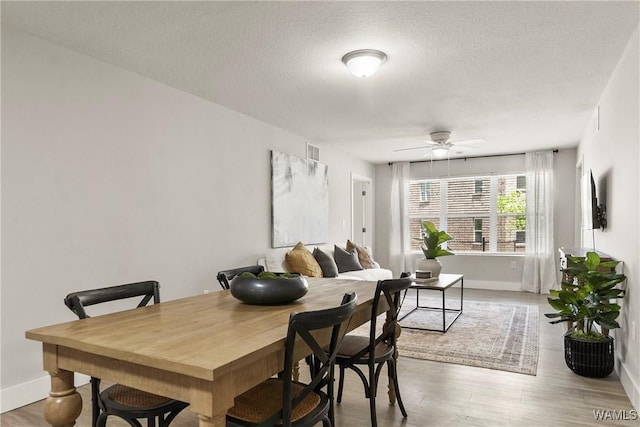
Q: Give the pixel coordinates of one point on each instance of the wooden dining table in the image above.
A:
(204, 350)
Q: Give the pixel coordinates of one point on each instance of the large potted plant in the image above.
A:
(432, 240)
(586, 299)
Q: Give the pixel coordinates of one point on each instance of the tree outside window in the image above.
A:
(511, 207)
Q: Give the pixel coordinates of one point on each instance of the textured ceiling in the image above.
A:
(520, 75)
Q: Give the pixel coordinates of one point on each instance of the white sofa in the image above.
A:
(275, 261)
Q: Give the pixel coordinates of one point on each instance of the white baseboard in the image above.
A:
(630, 386)
(31, 391)
(491, 285)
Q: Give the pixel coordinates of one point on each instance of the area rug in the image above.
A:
(486, 335)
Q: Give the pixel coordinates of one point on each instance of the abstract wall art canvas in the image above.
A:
(299, 201)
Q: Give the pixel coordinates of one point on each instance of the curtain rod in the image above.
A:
(466, 158)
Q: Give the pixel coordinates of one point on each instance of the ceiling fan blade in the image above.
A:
(467, 141)
(464, 146)
(414, 148)
(430, 145)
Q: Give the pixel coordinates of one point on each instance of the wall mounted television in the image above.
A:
(593, 214)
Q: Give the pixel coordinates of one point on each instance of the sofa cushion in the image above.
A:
(327, 263)
(300, 260)
(373, 274)
(346, 260)
(364, 255)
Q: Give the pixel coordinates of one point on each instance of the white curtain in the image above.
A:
(399, 239)
(539, 269)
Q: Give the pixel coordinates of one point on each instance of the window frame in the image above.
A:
(488, 243)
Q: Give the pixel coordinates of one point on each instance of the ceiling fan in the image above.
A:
(440, 144)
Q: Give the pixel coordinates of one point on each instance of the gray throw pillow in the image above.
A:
(346, 260)
(327, 264)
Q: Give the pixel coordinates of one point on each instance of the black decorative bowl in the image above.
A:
(268, 291)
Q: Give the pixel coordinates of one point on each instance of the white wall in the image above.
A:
(109, 177)
(484, 271)
(613, 154)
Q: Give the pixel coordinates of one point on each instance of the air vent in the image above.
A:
(313, 152)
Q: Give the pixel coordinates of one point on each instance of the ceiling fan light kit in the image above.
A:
(364, 62)
(440, 151)
(440, 144)
(441, 139)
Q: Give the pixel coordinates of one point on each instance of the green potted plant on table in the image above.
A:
(432, 240)
(584, 301)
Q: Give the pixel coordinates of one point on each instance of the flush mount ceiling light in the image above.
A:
(364, 62)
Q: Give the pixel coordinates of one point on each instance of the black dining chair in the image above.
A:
(118, 400)
(225, 276)
(284, 402)
(376, 350)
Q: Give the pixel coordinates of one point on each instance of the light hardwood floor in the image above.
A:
(440, 394)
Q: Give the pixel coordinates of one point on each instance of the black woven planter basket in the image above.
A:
(594, 359)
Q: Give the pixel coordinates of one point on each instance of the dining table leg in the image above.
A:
(216, 421)
(64, 404)
(390, 385)
(214, 400)
(296, 371)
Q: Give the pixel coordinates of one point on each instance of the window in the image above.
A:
(425, 191)
(477, 230)
(478, 185)
(521, 183)
(481, 213)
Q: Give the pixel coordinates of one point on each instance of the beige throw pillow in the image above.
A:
(300, 260)
(365, 258)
